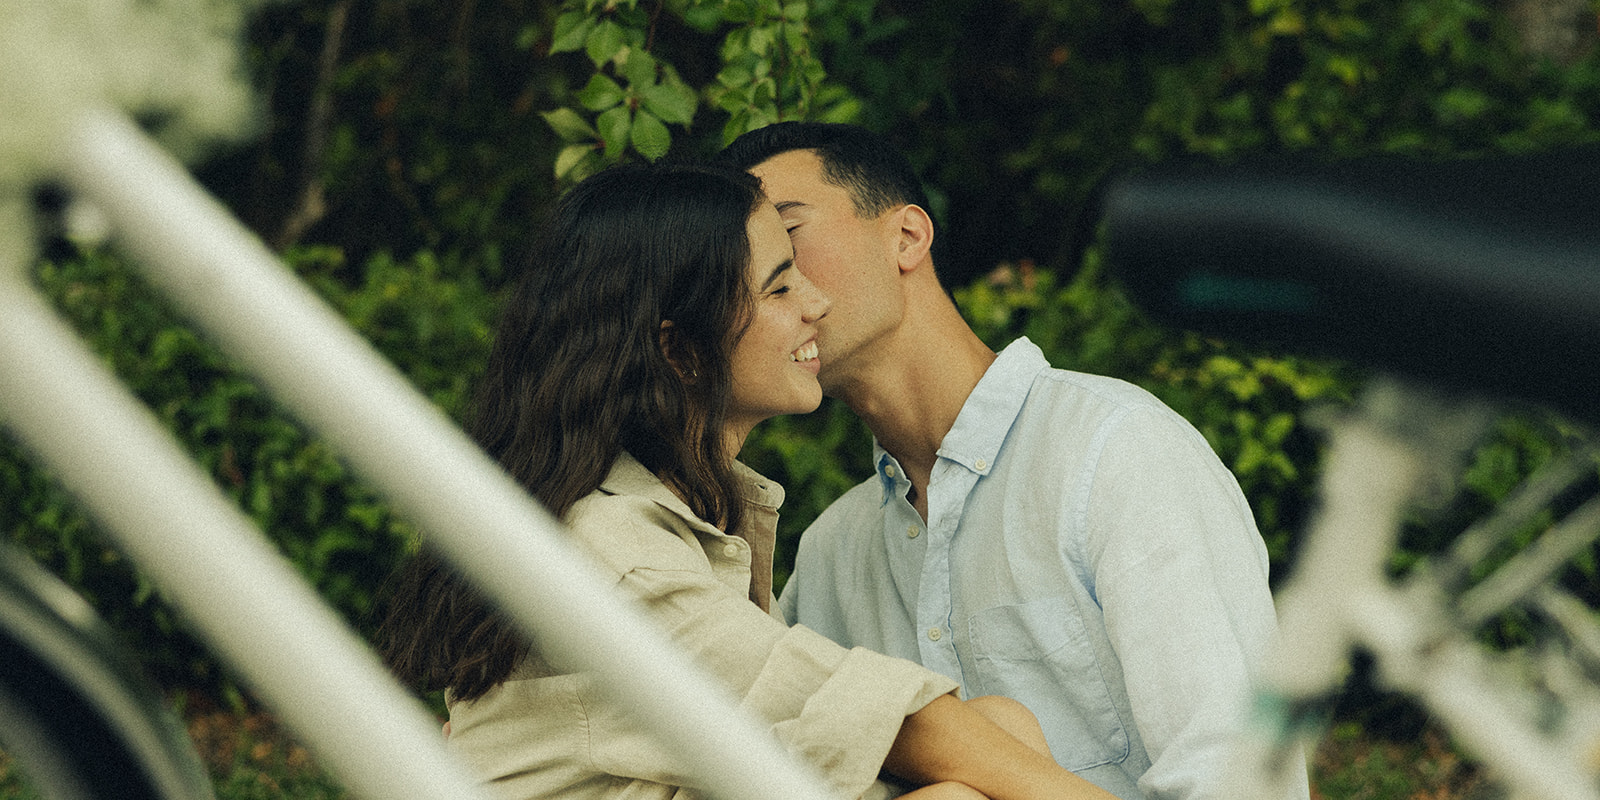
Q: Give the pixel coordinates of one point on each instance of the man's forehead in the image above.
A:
(795, 181)
(789, 167)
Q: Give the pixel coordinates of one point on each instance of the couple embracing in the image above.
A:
(1060, 549)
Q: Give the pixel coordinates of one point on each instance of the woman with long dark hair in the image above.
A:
(660, 320)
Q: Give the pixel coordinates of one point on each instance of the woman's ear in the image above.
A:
(672, 351)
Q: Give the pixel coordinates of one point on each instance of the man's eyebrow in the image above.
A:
(787, 263)
(789, 205)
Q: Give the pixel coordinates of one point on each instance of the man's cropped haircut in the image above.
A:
(877, 175)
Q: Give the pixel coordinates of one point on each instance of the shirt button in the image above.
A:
(889, 470)
(912, 531)
(730, 549)
(934, 634)
(981, 464)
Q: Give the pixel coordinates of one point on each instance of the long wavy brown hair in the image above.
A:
(581, 370)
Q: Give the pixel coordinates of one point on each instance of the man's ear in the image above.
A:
(914, 236)
(672, 351)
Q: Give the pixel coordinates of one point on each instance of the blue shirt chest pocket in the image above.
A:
(1039, 654)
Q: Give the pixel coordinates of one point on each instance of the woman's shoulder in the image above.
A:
(626, 531)
(603, 514)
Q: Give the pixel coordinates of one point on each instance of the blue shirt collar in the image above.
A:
(985, 419)
(890, 475)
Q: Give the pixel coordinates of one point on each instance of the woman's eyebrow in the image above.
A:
(789, 205)
(778, 270)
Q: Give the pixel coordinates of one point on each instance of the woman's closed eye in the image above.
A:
(777, 277)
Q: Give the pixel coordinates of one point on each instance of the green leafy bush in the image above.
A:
(293, 485)
(765, 71)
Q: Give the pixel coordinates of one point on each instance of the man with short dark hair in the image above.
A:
(1060, 538)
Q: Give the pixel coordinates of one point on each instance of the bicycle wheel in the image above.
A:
(75, 712)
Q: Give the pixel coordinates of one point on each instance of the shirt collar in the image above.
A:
(890, 475)
(760, 521)
(628, 476)
(985, 419)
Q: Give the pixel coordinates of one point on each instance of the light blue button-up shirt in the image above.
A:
(1085, 552)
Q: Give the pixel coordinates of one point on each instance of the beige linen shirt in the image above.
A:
(548, 735)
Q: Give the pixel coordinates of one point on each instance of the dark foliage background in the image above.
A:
(404, 146)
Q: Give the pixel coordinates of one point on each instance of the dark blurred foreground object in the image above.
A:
(75, 711)
(1479, 274)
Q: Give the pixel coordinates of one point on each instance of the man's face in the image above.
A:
(850, 258)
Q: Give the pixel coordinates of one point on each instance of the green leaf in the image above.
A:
(650, 137)
(1278, 427)
(797, 38)
(735, 46)
(528, 37)
(738, 124)
(673, 102)
(1461, 104)
(368, 515)
(570, 157)
(260, 500)
(838, 105)
(737, 11)
(639, 68)
(572, 30)
(605, 42)
(569, 125)
(703, 18)
(600, 93)
(735, 76)
(614, 126)
(760, 40)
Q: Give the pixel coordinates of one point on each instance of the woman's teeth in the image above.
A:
(806, 352)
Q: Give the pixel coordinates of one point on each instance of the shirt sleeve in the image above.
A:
(1181, 573)
(838, 709)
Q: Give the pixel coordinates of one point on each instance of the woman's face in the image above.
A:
(775, 363)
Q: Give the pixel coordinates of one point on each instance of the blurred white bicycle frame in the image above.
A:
(1540, 738)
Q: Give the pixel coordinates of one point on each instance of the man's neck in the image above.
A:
(913, 391)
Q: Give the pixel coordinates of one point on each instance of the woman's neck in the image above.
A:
(733, 438)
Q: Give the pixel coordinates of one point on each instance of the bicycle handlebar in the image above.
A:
(1481, 274)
